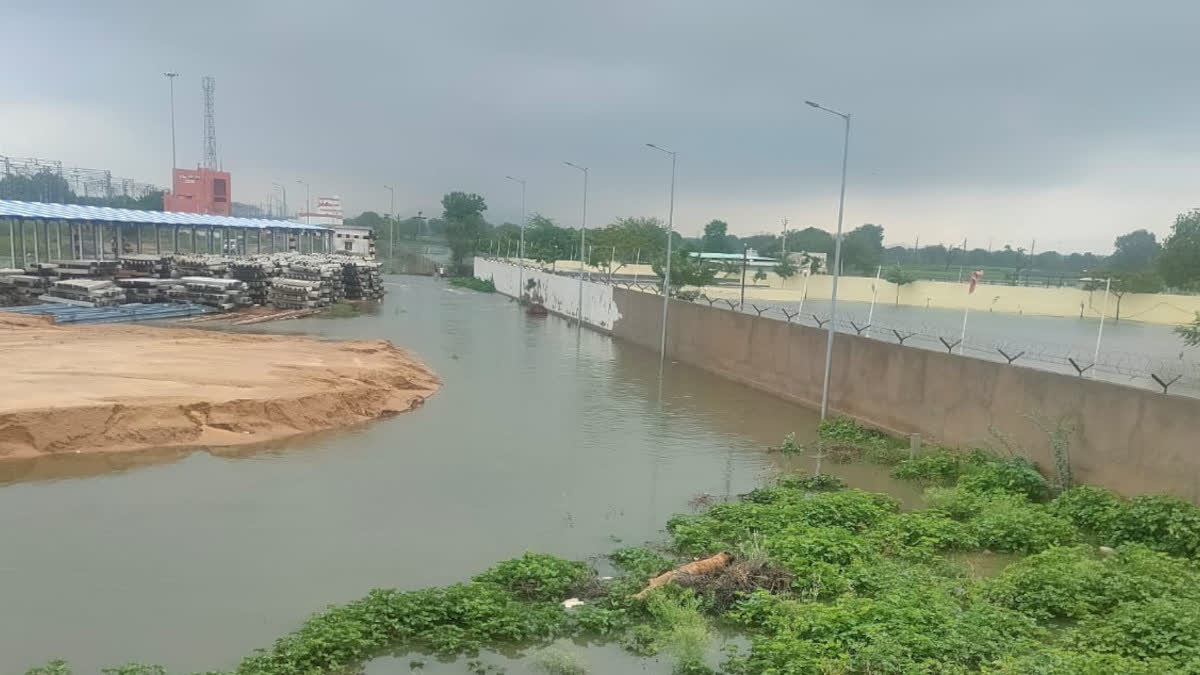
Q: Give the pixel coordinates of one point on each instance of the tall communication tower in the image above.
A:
(209, 83)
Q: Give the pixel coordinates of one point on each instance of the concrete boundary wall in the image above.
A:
(1127, 439)
(558, 294)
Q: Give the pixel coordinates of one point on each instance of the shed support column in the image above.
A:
(193, 229)
(175, 240)
(97, 237)
(12, 243)
(58, 239)
(120, 241)
(21, 233)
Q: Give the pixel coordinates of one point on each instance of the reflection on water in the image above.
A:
(543, 438)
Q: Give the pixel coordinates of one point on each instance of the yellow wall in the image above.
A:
(1151, 308)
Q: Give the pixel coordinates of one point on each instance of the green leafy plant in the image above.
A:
(921, 534)
(790, 446)
(536, 576)
(942, 467)
(640, 562)
(1015, 475)
(1093, 510)
(821, 482)
(1013, 526)
(481, 285)
(1162, 522)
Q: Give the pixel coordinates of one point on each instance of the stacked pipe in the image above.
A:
(224, 294)
(199, 265)
(362, 280)
(155, 266)
(92, 269)
(146, 289)
(87, 292)
(256, 274)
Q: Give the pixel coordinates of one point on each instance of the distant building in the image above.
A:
(816, 262)
(354, 240)
(204, 191)
(328, 212)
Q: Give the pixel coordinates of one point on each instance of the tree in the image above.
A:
(545, 241)
(811, 240)
(1190, 333)
(686, 270)
(1179, 262)
(369, 219)
(463, 215)
(786, 269)
(765, 244)
(634, 238)
(862, 248)
(899, 276)
(760, 274)
(715, 234)
(1145, 281)
(1135, 251)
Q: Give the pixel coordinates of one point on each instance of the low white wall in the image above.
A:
(558, 294)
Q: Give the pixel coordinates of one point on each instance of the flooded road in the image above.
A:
(542, 438)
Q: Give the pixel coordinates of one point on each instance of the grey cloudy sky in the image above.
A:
(1068, 122)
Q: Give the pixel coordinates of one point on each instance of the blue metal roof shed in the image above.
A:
(232, 234)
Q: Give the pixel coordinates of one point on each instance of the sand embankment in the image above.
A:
(116, 388)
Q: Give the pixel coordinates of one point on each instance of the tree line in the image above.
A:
(1139, 263)
(49, 187)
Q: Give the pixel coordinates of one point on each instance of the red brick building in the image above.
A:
(203, 191)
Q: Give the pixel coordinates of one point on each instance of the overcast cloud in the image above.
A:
(1068, 122)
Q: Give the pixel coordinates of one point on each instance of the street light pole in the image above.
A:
(521, 243)
(283, 189)
(307, 205)
(171, 78)
(837, 259)
(662, 342)
(391, 223)
(582, 240)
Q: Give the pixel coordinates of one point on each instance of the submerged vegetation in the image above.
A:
(826, 579)
(481, 285)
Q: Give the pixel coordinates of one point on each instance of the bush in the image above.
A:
(1059, 583)
(906, 629)
(601, 621)
(1075, 582)
(921, 533)
(818, 558)
(536, 576)
(1164, 523)
(481, 285)
(451, 620)
(961, 504)
(1091, 509)
(1162, 628)
(640, 562)
(821, 482)
(943, 467)
(1016, 476)
(1005, 525)
(1055, 661)
(725, 526)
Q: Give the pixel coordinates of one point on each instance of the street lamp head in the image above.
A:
(815, 105)
(171, 74)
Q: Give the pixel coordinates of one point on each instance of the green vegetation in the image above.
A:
(825, 579)
(481, 285)
(342, 310)
(1190, 333)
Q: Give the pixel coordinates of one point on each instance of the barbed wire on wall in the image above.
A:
(1179, 374)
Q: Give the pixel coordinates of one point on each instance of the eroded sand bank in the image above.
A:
(116, 388)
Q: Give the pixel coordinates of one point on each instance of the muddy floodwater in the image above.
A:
(542, 438)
